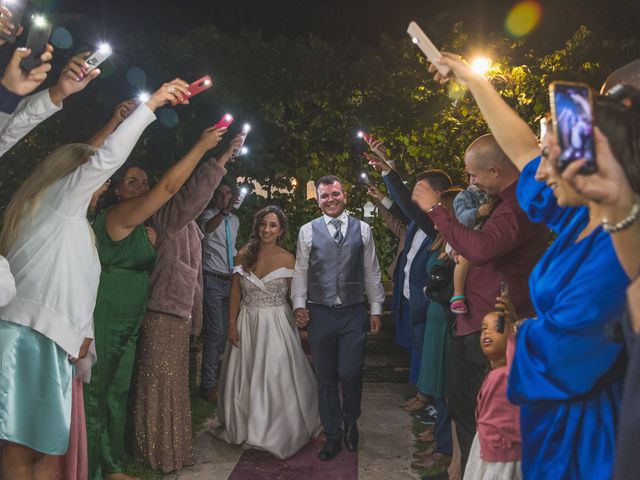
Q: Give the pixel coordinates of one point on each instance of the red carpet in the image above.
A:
(304, 465)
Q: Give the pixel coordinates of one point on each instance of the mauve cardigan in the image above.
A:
(176, 281)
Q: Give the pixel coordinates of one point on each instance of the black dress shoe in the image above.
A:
(351, 437)
(330, 450)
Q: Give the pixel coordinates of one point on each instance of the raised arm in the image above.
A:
(126, 215)
(121, 113)
(191, 200)
(511, 132)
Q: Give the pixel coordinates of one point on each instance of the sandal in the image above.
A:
(426, 435)
(458, 305)
(416, 403)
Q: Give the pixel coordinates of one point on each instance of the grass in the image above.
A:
(201, 411)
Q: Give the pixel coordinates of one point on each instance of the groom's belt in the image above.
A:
(221, 276)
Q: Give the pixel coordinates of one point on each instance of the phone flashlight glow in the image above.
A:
(39, 21)
(363, 176)
(243, 151)
(143, 97)
(105, 48)
(244, 191)
(415, 40)
(246, 128)
(360, 134)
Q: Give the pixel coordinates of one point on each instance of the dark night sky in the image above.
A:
(363, 20)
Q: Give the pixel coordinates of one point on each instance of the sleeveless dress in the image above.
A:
(269, 396)
(120, 308)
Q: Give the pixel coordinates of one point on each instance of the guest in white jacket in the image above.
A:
(49, 244)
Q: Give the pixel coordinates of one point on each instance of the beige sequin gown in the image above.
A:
(269, 396)
(161, 408)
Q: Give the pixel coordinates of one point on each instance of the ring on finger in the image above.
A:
(171, 89)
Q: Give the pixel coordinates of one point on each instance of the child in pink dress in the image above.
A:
(495, 452)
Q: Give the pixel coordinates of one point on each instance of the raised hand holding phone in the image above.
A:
(16, 80)
(39, 32)
(424, 43)
(11, 12)
(72, 79)
(211, 137)
(172, 92)
(225, 121)
(197, 87)
(96, 58)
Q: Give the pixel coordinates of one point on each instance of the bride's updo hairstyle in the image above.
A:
(248, 255)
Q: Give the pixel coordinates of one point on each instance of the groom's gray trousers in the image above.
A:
(337, 337)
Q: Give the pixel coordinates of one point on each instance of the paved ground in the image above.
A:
(385, 448)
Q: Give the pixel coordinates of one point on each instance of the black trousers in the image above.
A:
(337, 337)
(467, 369)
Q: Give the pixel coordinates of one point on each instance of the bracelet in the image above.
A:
(625, 222)
(433, 207)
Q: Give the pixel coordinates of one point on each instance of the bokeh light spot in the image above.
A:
(61, 38)
(523, 18)
(168, 117)
(136, 77)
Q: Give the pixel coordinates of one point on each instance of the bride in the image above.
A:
(269, 396)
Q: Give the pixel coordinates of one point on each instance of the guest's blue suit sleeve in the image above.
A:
(400, 194)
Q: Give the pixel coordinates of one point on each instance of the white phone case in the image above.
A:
(428, 48)
(96, 59)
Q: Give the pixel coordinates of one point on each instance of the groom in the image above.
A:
(336, 264)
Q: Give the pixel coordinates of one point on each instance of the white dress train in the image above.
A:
(269, 394)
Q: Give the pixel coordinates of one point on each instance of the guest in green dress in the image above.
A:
(127, 258)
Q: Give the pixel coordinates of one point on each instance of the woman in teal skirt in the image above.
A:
(48, 325)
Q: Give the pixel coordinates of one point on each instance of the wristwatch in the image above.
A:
(433, 207)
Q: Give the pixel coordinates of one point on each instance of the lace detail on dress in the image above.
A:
(273, 294)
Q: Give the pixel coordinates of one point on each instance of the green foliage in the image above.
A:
(306, 98)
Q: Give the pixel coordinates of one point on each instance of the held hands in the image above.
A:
(376, 323)
(23, 83)
(302, 317)
(73, 78)
(173, 92)
(233, 336)
(84, 349)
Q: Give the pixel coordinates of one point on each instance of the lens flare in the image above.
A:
(360, 134)
(523, 18)
(246, 128)
(481, 65)
(143, 97)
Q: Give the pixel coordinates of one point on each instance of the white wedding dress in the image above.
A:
(269, 395)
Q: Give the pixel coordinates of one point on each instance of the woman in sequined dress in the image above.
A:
(269, 398)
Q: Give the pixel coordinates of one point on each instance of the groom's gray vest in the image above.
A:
(335, 270)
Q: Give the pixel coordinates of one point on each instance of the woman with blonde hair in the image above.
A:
(48, 326)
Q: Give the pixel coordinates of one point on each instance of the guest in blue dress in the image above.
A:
(566, 372)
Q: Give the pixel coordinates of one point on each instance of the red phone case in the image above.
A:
(225, 121)
(198, 86)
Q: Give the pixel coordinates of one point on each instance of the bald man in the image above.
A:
(504, 249)
(628, 74)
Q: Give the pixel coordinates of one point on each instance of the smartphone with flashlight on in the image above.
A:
(366, 179)
(572, 112)
(426, 45)
(225, 121)
(17, 8)
(100, 55)
(198, 86)
(365, 136)
(242, 193)
(504, 292)
(39, 32)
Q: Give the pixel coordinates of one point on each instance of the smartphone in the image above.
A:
(426, 45)
(364, 177)
(504, 291)
(100, 55)
(17, 8)
(543, 128)
(198, 86)
(572, 112)
(39, 32)
(225, 121)
(242, 193)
